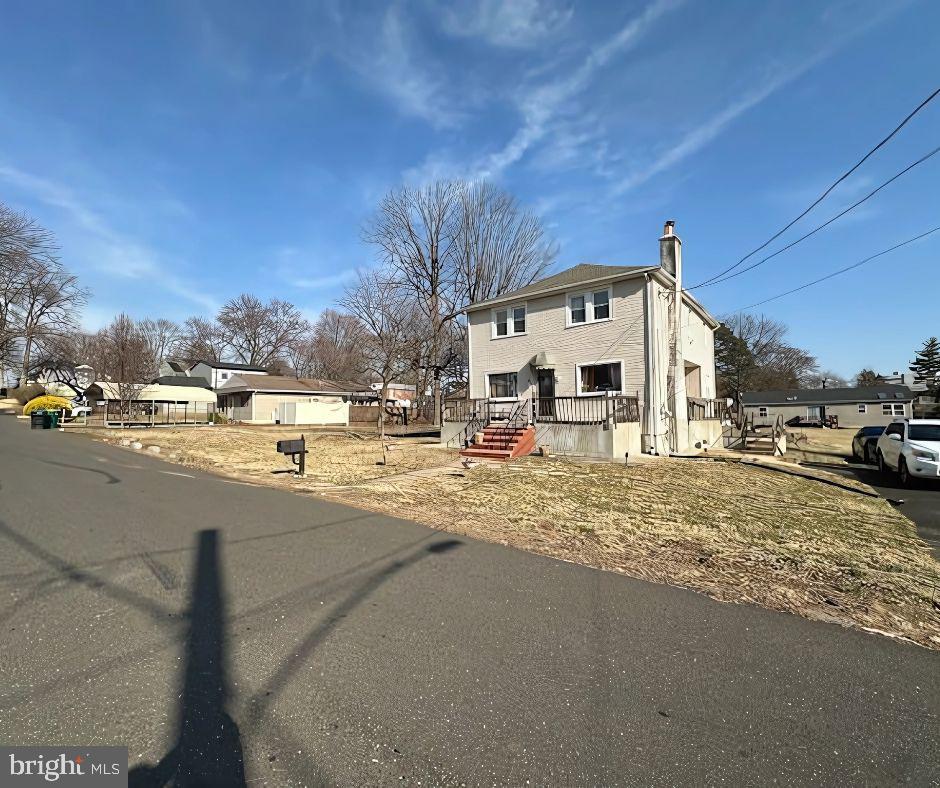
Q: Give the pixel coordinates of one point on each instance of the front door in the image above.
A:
(546, 387)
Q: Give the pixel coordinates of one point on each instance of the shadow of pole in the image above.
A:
(208, 750)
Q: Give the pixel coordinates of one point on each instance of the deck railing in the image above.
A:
(587, 410)
(706, 409)
(551, 410)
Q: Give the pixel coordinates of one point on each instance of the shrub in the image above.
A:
(24, 394)
(219, 418)
(47, 402)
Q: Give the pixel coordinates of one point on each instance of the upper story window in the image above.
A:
(509, 321)
(591, 307)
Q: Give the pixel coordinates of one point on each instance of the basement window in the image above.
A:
(600, 378)
(501, 384)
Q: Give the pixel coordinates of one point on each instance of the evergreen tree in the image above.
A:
(926, 365)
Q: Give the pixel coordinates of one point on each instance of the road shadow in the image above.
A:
(208, 749)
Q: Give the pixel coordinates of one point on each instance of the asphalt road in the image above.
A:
(229, 634)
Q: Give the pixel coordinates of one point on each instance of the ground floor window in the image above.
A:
(892, 409)
(502, 384)
(862, 408)
(762, 411)
(600, 378)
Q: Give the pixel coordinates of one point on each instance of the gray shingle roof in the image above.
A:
(570, 277)
(229, 365)
(182, 380)
(884, 393)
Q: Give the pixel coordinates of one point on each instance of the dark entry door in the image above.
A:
(546, 386)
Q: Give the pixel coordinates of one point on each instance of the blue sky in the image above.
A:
(185, 152)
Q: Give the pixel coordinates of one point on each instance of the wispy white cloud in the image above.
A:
(391, 65)
(112, 252)
(505, 23)
(323, 282)
(541, 105)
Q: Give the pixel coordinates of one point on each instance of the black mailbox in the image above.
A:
(291, 447)
(297, 450)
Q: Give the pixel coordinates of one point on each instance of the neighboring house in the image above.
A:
(170, 367)
(266, 399)
(860, 406)
(218, 372)
(595, 342)
(182, 380)
(154, 404)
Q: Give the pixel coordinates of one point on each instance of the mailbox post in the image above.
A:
(297, 451)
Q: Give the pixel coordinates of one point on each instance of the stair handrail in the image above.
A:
(516, 415)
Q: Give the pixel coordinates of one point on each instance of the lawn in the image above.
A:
(734, 532)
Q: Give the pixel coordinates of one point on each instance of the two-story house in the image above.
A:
(599, 348)
(216, 373)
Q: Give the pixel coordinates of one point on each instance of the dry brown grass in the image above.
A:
(334, 458)
(734, 532)
(815, 444)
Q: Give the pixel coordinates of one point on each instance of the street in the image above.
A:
(230, 634)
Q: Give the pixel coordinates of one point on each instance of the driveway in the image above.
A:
(235, 635)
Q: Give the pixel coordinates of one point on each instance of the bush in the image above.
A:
(46, 402)
(219, 418)
(25, 393)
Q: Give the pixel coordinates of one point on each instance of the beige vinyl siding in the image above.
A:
(847, 413)
(618, 339)
(699, 342)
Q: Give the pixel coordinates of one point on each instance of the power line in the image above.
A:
(840, 271)
(839, 215)
(826, 193)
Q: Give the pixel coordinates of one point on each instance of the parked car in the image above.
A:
(912, 448)
(865, 443)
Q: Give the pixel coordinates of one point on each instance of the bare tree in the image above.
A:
(776, 363)
(500, 246)
(129, 360)
(39, 300)
(200, 340)
(448, 244)
(260, 333)
(162, 337)
(386, 316)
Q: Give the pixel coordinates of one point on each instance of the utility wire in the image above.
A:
(714, 281)
(840, 271)
(826, 193)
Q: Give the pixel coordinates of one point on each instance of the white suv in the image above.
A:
(912, 447)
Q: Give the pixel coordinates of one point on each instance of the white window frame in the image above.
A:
(588, 296)
(510, 323)
(862, 408)
(892, 408)
(577, 376)
(763, 411)
(486, 382)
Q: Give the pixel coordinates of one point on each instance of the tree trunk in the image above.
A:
(382, 397)
(437, 397)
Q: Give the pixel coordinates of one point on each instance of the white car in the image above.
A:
(911, 447)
